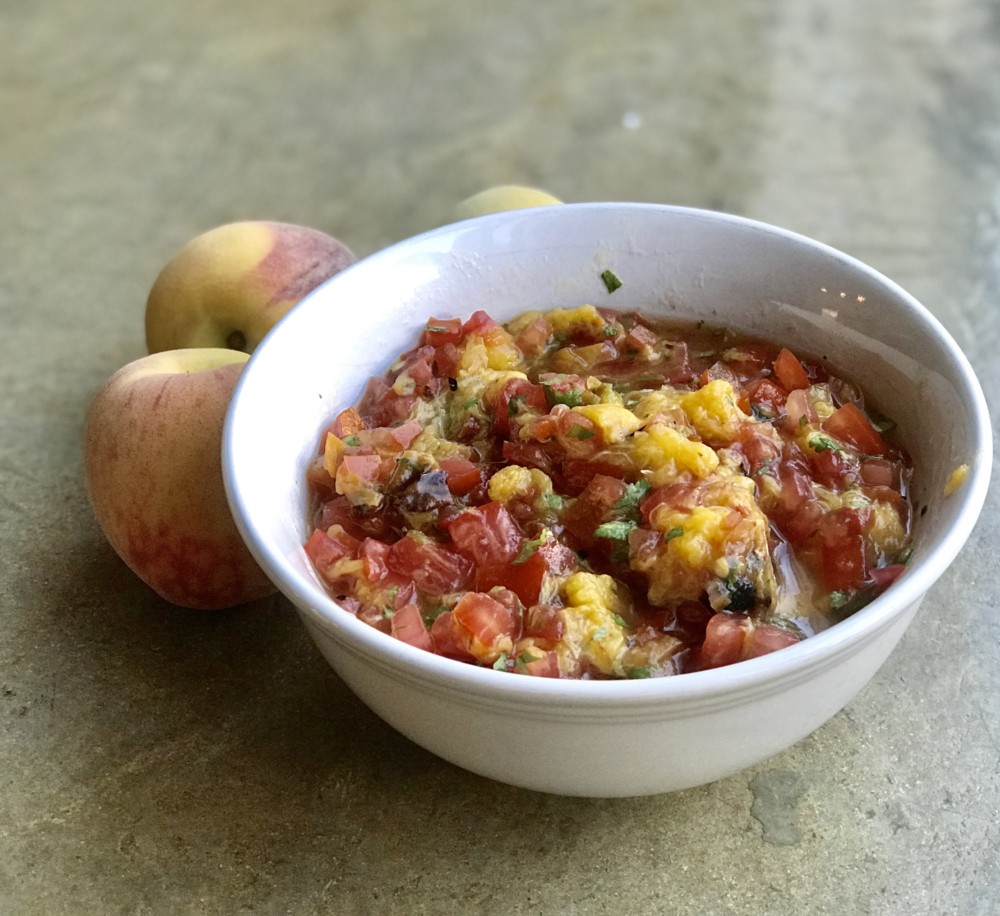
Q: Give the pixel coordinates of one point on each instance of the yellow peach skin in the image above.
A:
(152, 446)
(503, 197)
(228, 286)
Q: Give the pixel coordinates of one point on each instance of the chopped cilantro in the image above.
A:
(525, 659)
(352, 440)
(553, 501)
(821, 443)
(673, 533)
(571, 397)
(433, 614)
(610, 330)
(581, 432)
(472, 402)
(620, 621)
(501, 663)
(514, 405)
(803, 420)
(838, 599)
(529, 547)
(634, 494)
(764, 468)
(616, 531)
(611, 280)
(636, 673)
(388, 611)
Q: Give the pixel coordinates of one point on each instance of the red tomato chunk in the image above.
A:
(587, 493)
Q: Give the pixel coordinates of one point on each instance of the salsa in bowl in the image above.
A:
(590, 493)
(612, 730)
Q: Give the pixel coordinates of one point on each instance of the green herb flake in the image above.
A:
(581, 432)
(839, 598)
(571, 397)
(553, 501)
(615, 531)
(821, 443)
(501, 663)
(905, 556)
(764, 468)
(388, 612)
(472, 402)
(636, 673)
(525, 659)
(352, 440)
(634, 494)
(611, 281)
(433, 614)
(803, 420)
(610, 331)
(673, 533)
(620, 621)
(529, 547)
(514, 405)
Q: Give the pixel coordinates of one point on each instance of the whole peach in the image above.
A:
(228, 286)
(152, 444)
(503, 197)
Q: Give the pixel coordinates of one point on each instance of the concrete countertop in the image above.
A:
(154, 760)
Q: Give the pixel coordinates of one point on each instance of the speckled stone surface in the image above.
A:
(158, 761)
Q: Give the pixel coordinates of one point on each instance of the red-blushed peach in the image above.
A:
(503, 197)
(152, 443)
(227, 287)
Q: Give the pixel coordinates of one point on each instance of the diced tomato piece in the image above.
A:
(835, 469)
(765, 638)
(347, 423)
(718, 370)
(532, 339)
(325, 550)
(381, 406)
(576, 435)
(463, 475)
(445, 361)
(364, 467)
(884, 576)
(850, 425)
(408, 626)
(544, 621)
(593, 507)
(486, 534)
(405, 433)
(434, 569)
(766, 398)
(479, 323)
(441, 331)
(790, 372)
(450, 639)
(526, 578)
(529, 454)
(878, 472)
(375, 554)
(724, 638)
(576, 473)
(800, 524)
(675, 496)
(491, 625)
(760, 451)
(796, 484)
(517, 395)
(843, 548)
(640, 339)
(538, 663)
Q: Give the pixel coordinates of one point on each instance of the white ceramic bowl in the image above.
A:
(605, 738)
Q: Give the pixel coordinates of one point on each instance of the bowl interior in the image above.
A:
(678, 263)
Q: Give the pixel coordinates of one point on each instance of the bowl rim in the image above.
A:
(478, 683)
